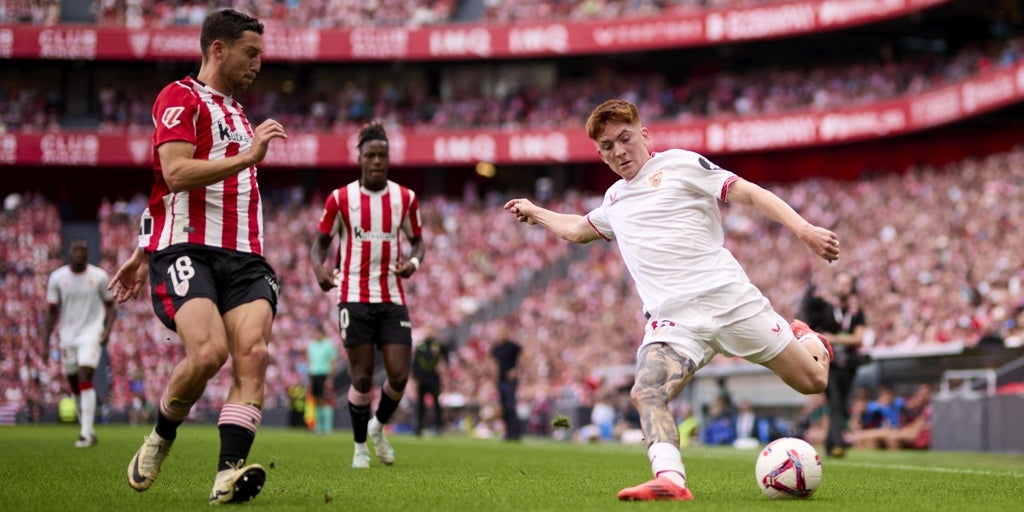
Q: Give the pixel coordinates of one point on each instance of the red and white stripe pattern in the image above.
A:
(242, 415)
(227, 214)
(368, 224)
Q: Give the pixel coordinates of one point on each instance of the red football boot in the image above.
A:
(660, 489)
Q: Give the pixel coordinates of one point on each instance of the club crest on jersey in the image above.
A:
(181, 288)
(232, 135)
(655, 179)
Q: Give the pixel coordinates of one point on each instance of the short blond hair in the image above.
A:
(611, 112)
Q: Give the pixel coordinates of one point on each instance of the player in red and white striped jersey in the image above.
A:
(369, 216)
(201, 245)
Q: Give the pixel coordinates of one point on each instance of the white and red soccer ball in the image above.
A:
(788, 468)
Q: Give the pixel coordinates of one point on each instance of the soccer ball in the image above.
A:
(788, 468)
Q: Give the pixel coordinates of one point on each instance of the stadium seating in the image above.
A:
(592, 313)
(931, 245)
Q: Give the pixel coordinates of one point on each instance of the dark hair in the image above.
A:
(371, 131)
(853, 280)
(226, 25)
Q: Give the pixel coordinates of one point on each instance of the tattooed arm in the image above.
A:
(661, 373)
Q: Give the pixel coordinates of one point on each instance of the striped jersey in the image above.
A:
(368, 224)
(227, 214)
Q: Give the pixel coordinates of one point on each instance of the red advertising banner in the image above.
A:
(984, 93)
(552, 38)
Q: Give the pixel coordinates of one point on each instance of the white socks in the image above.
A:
(666, 461)
(88, 412)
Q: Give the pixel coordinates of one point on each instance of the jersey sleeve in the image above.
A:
(174, 115)
(52, 290)
(412, 225)
(598, 218)
(329, 219)
(699, 173)
(101, 286)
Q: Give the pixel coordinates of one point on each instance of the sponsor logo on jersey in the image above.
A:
(226, 133)
(705, 163)
(360, 234)
(171, 115)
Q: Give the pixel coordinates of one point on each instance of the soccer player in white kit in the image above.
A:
(698, 300)
(78, 297)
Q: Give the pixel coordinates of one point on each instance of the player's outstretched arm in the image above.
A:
(567, 226)
(823, 242)
(131, 277)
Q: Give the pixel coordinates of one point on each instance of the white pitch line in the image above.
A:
(960, 471)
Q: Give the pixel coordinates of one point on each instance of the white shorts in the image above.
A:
(734, 320)
(81, 354)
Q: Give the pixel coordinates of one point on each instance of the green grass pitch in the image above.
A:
(41, 470)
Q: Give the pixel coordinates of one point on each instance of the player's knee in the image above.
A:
(398, 383)
(256, 356)
(362, 383)
(820, 383)
(208, 362)
(647, 396)
(812, 383)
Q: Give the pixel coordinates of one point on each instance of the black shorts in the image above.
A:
(379, 324)
(317, 386)
(230, 279)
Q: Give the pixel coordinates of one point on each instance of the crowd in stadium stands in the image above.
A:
(513, 103)
(938, 266)
(28, 109)
(469, 265)
(887, 420)
(938, 270)
(354, 13)
(30, 248)
(38, 12)
(511, 12)
(314, 14)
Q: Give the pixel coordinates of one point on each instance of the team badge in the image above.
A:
(655, 179)
(181, 288)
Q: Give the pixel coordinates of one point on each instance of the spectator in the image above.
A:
(879, 419)
(322, 356)
(720, 428)
(844, 323)
(506, 353)
(915, 429)
(426, 358)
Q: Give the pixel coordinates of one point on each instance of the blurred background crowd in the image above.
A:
(936, 252)
(923, 284)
